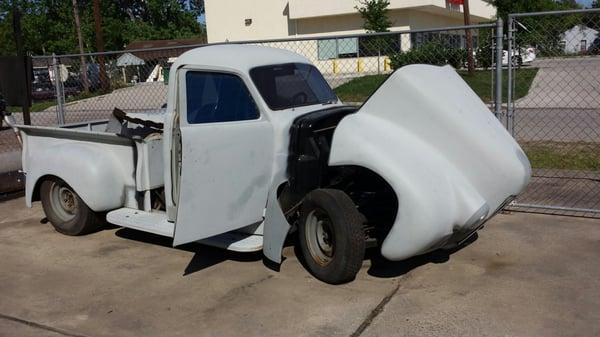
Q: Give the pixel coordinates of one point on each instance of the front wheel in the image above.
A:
(331, 236)
(65, 210)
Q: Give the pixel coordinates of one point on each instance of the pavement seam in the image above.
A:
(40, 326)
(375, 312)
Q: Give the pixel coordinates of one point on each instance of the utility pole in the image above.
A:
(84, 70)
(100, 45)
(469, 38)
(18, 34)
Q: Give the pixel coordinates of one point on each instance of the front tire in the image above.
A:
(65, 210)
(331, 236)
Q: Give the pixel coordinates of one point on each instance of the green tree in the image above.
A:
(374, 14)
(543, 32)
(505, 7)
(48, 25)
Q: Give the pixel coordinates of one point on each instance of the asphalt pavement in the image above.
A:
(526, 275)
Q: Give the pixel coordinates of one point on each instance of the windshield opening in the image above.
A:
(291, 85)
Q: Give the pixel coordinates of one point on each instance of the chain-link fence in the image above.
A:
(550, 74)
(354, 65)
(554, 111)
(76, 88)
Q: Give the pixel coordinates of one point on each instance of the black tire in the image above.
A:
(71, 216)
(334, 253)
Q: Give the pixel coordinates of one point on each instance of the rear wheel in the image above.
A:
(331, 236)
(65, 210)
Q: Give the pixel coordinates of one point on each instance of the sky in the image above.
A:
(586, 3)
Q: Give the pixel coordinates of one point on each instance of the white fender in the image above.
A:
(101, 177)
(449, 160)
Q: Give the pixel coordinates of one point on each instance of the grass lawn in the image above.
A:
(35, 107)
(566, 156)
(358, 89)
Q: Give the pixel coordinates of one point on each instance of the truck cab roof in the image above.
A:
(237, 56)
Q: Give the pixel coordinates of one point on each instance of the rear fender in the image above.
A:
(101, 178)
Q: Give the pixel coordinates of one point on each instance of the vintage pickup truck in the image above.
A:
(253, 142)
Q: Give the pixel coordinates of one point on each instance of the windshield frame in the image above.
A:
(274, 107)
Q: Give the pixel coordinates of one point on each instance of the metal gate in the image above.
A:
(553, 61)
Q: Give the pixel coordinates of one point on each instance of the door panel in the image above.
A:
(225, 173)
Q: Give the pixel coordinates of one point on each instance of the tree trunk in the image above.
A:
(100, 45)
(83, 68)
(469, 38)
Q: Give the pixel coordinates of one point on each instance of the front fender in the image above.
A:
(99, 176)
(448, 159)
(433, 197)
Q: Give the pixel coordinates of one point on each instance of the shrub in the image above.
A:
(434, 52)
(483, 54)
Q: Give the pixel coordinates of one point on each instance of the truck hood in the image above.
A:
(450, 162)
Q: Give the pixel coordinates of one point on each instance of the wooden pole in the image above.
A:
(469, 38)
(100, 45)
(18, 34)
(83, 65)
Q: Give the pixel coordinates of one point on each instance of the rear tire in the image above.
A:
(65, 210)
(331, 236)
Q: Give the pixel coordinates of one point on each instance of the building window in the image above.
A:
(337, 48)
(453, 6)
(563, 45)
(347, 47)
(452, 40)
(378, 45)
(327, 49)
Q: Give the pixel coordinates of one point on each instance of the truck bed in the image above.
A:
(95, 131)
(120, 157)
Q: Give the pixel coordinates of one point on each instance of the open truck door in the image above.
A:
(226, 156)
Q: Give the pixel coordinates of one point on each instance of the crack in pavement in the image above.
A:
(375, 312)
(40, 326)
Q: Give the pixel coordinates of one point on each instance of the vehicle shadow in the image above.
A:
(207, 256)
(383, 268)
(204, 256)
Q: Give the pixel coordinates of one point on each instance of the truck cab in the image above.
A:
(254, 143)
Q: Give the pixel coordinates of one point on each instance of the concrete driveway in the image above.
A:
(564, 83)
(526, 275)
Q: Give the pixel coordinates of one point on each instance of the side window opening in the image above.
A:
(213, 97)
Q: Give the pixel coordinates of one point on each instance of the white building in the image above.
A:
(578, 39)
(243, 20)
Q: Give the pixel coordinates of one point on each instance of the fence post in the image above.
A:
(498, 95)
(509, 86)
(58, 87)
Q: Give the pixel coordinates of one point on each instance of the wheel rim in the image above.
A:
(319, 237)
(63, 202)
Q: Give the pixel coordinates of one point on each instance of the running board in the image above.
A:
(151, 222)
(235, 241)
(157, 223)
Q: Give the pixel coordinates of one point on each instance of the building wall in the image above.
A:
(572, 39)
(271, 19)
(225, 20)
(300, 9)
